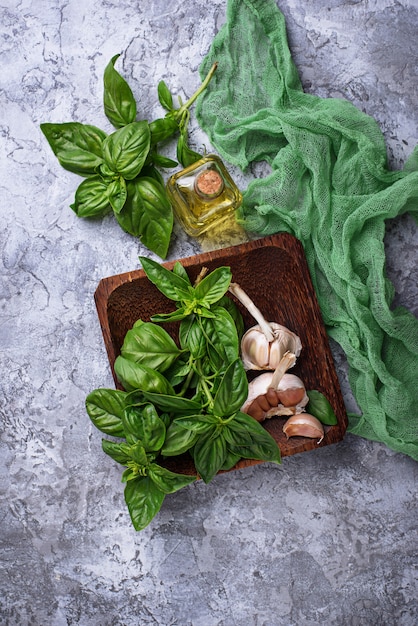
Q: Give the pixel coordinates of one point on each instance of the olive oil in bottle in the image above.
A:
(203, 195)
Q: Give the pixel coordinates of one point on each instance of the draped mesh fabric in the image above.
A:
(330, 187)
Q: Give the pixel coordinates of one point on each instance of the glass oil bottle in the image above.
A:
(203, 195)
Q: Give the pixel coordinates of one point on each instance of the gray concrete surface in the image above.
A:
(329, 537)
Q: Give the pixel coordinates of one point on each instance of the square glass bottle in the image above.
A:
(203, 195)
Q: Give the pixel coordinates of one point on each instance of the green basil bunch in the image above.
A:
(180, 397)
(121, 169)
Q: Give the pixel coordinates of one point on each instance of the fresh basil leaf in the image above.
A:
(91, 198)
(163, 161)
(126, 150)
(213, 286)
(149, 171)
(164, 96)
(167, 481)
(192, 337)
(178, 440)
(233, 390)
(179, 270)
(170, 284)
(144, 500)
(202, 424)
(129, 474)
(78, 147)
(185, 155)
(147, 214)
(162, 129)
(139, 456)
(105, 408)
(234, 312)
(175, 316)
(119, 452)
(137, 376)
(172, 403)
(221, 334)
(209, 454)
(241, 429)
(230, 461)
(118, 100)
(320, 407)
(151, 345)
(177, 372)
(145, 424)
(117, 193)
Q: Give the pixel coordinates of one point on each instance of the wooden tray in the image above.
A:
(274, 273)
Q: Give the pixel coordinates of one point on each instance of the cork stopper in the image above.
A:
(209, 184)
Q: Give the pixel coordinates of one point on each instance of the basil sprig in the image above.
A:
(180, 396)
(121, 168)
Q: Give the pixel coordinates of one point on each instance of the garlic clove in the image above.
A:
(291, 391)
(257, 387)
(304, 425)
(255, 350)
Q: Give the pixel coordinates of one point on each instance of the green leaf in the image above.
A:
(117, 193)
(179, 270)
(151, 345)
(192, 337)
(145, 424)
(105, 408)
(144, 500)
(230, 461)
(178, 440)
(139, 456)
(78, 147)
(221, 333)
(170, 284)
(201, 424)
(163, 128)
(149, 171)
(118, 100)
(248, 439)
(148, 215)
(213, 286)
(162, 161)
(178, 372)
(164, 96)
(233, 390)
(137, 376)
(320, 407)
(91, 198)
(119, 452)
(185, 155)
(209, 455)
(175, 316)
(167, 481)
(172, 403)
(126, 150)
(230, 306)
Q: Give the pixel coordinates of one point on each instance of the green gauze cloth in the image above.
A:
(331, 188)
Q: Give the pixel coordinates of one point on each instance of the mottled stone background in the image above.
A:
(329, 537)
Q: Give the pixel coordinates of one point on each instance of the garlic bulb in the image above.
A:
(260, 354)
(304, 425)
(264, 345)
(272, 393)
